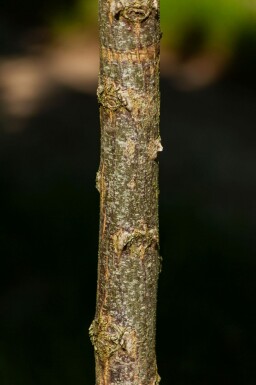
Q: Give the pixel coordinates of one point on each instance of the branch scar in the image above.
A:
(154, 147)
(112, 97)
(136, 12)
(145, 238)
(107, 337)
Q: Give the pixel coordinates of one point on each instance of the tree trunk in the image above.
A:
(123, 331)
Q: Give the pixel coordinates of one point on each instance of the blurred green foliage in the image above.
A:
(82, 15)
(219, 23)
(214, 24)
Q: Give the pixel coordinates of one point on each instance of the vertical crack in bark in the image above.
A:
(123, 331)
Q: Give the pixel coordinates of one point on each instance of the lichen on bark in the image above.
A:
(123, 331)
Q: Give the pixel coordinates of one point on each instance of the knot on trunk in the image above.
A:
(136, 14)
(141, 239)
(136, 11)
(112, 97)
(107, 337)
(154, 147)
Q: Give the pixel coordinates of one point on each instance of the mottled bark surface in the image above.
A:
(123, 331)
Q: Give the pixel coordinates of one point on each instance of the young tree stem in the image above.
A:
(123, 330)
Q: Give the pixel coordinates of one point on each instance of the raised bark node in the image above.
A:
(136, 11)
(142, 238)
(107, 337)
(111, 96)
(154, 147)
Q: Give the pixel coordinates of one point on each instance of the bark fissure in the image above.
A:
(123, 331)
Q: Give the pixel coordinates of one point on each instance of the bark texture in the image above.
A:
(123, 331)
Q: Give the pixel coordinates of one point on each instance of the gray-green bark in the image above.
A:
(123, 331)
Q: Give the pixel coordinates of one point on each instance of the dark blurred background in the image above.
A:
(49, 155)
